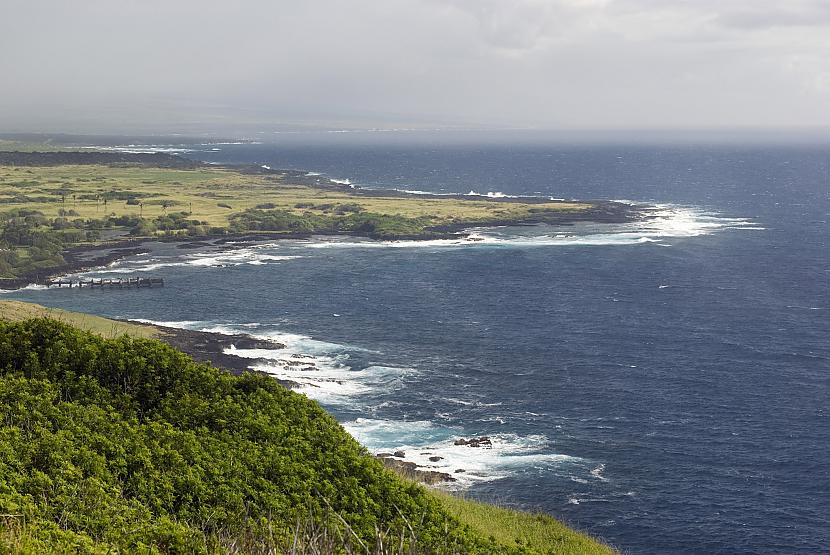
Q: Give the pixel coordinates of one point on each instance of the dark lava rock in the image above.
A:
(410, 470)
(460, 471)
(436, 459)
(483, 441)
(210, 347)
(248, 342)
(400, 454)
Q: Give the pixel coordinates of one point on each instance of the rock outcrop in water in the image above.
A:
(483, 441)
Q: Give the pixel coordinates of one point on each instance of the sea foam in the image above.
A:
(664, 222)
(257, 256)
(433, 447)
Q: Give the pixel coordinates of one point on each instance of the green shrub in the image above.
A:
(129, 443)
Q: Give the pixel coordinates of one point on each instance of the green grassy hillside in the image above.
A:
(126, 445)
(16, 311)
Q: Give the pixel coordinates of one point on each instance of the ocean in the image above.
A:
(662, 385)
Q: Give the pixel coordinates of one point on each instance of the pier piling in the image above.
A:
(111, 283)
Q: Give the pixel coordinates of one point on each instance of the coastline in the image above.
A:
(206, 347)
(210, 347)
(81, 257)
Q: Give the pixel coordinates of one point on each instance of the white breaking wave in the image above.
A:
(253, 255)
(663, 223)
(490, 194)
(182, 324)
(30, 287)
(677, 221)
(236, 258)
(433, 447)
(429, 193)
(320, 369)
(327, 379)
(233, 143)
(141, 149)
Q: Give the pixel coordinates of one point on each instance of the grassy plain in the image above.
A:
(22, 146)
(45, 210)
(203, 192)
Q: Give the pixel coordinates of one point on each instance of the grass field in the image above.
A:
(15, 311)
(538, 531)
(203, 192)
(21, 146)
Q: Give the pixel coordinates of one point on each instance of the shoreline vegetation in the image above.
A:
(66, 392)
(65, 211)
(69, 211)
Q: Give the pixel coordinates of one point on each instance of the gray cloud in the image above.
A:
(795, 13)
(98, 65)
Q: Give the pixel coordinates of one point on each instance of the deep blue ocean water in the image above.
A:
(664, 386)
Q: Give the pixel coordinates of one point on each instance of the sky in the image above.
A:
(208, 65)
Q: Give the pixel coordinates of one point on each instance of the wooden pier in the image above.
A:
(112, 283)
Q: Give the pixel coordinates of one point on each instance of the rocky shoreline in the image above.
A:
(396, 461)
(209, 347)
(82, 258)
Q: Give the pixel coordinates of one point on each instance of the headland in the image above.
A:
(65, 211)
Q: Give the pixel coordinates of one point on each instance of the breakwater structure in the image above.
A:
(102, 283)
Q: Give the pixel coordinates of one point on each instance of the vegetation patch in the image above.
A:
(128, 444)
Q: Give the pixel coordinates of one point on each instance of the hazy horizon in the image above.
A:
(233, 69)
(414, 138)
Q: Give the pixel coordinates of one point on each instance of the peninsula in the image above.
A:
(56, 207)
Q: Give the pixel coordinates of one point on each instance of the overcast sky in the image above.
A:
(167, 65)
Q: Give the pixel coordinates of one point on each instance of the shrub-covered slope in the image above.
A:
(127, 445)
(127, 442)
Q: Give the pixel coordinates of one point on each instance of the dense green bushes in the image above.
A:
(336, 219)
(129, 443)
(259, 219)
